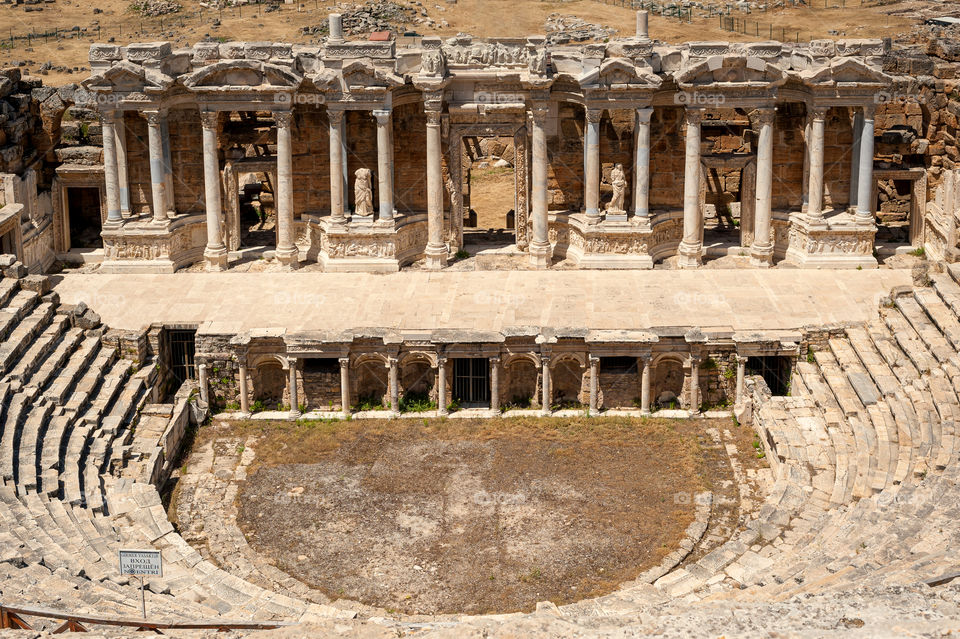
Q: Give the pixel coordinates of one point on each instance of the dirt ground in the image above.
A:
(482, 18)
(473, 516)
(492, 194)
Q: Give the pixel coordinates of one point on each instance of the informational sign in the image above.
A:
(141, 563)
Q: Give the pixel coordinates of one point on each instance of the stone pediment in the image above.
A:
(620, 74)
(845, 71)
(361, 76)
(745, 71)
(229, 76)
(126, 77)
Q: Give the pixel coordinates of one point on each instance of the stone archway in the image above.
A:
(668, 378)
(522, 383)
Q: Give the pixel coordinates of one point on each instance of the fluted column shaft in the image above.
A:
(287, 252)
(215, 253)
(336, 166)
(761, 253)
(741, 372)
(546, 391)
(540, 249)
(495, 384)
(110, 174)
(856, 124)
(294, 393)
(645, 385)
(592, 165)
(442, 386)
(158, 177)
(691, 244)
(594, 383)
(345, 385)
(436, 252)
(815, 189)
(641, 167)
(385, 162)
(244, 391)
(694, 384)
(865, 180)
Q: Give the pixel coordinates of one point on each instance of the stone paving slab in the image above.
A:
(485, 300)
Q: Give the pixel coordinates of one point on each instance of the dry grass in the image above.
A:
(470, 515)
(480, 17)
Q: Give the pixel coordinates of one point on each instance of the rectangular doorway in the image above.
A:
(775, 370)
(183, 346)
(471, 381)
(83, 211)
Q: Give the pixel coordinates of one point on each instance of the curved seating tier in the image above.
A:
(863, 453)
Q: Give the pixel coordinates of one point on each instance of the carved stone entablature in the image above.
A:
(765, 50)
(362, 77)
(232, 76)
(147, 51)
(124, 78)
(351, 50)
(708, 49)
(620, 74)
(845, 76)
(719, 72)
(105, 53)
(463, 52)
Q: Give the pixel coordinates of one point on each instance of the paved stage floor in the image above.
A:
(485, 300)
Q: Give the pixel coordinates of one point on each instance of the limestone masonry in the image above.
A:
(360, 164)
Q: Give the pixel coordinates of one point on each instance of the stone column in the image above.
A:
(815, 147)
(110, 175)
(204, 385)
(495, 384)
(761, 253)
(385, 162)
(865, 179)
(591, 180)
(167, 165)
(335, 21)
(394, 384)
(594, 383)
(244, 392)
(694, 384)
(645, 384)
(292, 385)
(345, 386)
(436, 248)
(540, 249)
(857, 126)
(287, 252)
(215, 253)
(692, 244)
(120, 134)
(546, 391)
(442, 386)
(643, 32)
(336, 167)
(641, 168)
(741, 371)
(158, 177)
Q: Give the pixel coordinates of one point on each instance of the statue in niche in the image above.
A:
(363, 193)
(432, 62)
(619, 182)
(537, 61)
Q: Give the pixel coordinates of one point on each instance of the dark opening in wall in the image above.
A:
(183, 345)
(621, 365)
(775, 370)
(471, 380)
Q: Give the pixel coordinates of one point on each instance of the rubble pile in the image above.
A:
(154, 8)
(379, 15)
(562, 29)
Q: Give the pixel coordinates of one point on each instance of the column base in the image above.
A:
(436, 256)
(216, 258)
(289, 258)
(690, 255)
(761, 256)
(540, 255)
